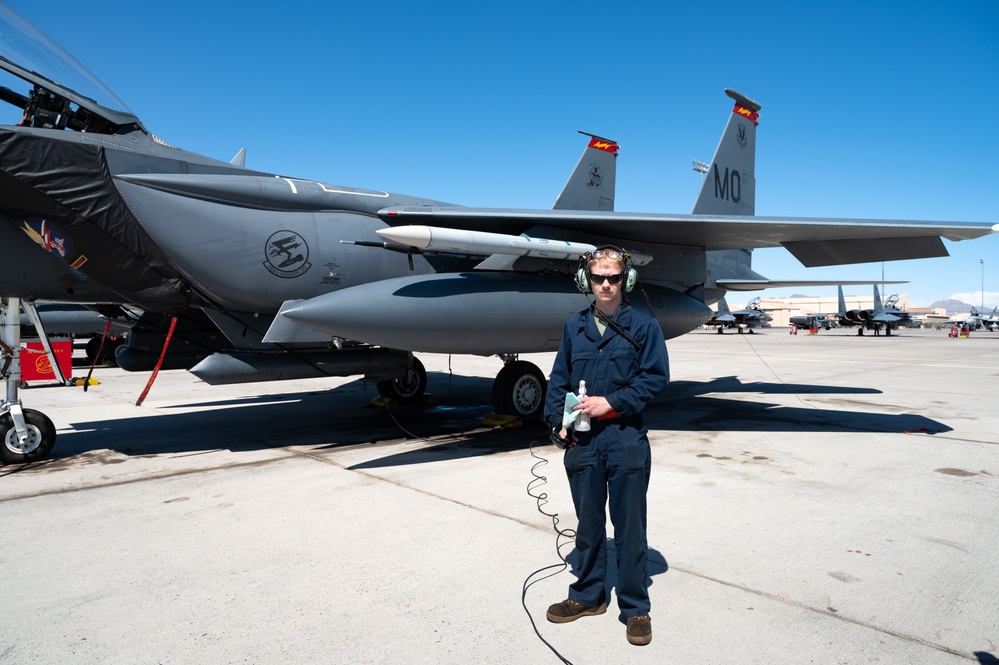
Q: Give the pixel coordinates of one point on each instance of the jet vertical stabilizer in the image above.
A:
(591, 185)
(730, 185)
(724, 311)
(730, 189)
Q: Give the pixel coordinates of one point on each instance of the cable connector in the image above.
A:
(561, 443)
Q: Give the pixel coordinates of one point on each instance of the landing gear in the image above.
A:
(406, 388)
(26, 435)
(36, 445)
(519, 389)
(112, 346)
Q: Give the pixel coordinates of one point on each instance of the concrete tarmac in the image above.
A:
(815, 499)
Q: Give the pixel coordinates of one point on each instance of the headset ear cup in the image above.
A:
(582, 281)
(630, 280)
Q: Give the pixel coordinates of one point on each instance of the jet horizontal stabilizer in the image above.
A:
(760, 284)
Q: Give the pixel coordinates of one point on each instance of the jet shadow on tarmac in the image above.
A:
(696, 406)
(452, 428)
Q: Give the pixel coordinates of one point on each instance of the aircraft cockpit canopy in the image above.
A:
(49, 87)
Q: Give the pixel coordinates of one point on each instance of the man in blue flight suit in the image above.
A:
(620, 353)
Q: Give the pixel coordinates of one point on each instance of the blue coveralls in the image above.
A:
(614, 457)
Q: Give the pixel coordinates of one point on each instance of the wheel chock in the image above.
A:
(383, 402)
(85, 382)
(504, 421)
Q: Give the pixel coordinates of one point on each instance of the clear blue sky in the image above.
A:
(870, 110)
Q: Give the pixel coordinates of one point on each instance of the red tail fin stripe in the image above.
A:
(752, 115)
(606, 146)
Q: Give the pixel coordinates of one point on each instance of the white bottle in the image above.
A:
(583, 419)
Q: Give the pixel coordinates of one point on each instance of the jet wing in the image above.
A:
(813, 241)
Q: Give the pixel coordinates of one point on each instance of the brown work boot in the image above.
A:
(640, 629)
(570, 610)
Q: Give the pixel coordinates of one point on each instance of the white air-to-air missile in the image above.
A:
(459, 241)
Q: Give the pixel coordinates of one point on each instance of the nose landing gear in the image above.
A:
(26, 435)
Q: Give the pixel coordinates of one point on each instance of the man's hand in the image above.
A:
(596, 406)
(562, 439)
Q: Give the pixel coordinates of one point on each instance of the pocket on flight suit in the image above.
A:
(581, 456)
(582, 363)
(623, 366)
(630, 451)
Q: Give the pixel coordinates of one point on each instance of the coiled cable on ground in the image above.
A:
(563, 537)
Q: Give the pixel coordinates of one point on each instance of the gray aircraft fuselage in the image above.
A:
(170, 231)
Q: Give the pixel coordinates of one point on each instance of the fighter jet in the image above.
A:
(980, 320)
(990, 321)
(883, 316)
(743, 320)
(268, 276)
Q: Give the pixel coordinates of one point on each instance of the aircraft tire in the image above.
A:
(519, 390)
(118, 349)
(41, 438)
(93, 346)
(406, 388)
(110, 352)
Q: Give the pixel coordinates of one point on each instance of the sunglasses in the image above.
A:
(600, 279)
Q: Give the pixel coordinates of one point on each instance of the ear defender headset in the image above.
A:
(583, 270)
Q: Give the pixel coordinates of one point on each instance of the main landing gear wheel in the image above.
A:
(93, 346)
(407, 388)
(519, 390)
(41, 438)
(112, 347)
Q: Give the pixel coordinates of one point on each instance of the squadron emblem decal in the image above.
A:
(741, 135)
(47, 236)
(286, 254)
(595, 177)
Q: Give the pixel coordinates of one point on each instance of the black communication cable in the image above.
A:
(555, 569)
(615, 327)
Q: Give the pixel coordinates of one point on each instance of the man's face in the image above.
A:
(606, 292)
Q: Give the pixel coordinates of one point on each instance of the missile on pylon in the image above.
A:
(460, 241)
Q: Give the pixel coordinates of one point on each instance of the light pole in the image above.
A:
(982, 261)
(702, 168)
